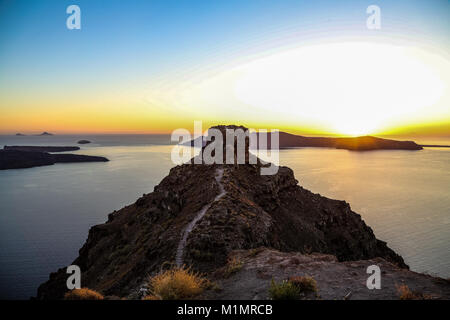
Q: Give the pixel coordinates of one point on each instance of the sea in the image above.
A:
(46, 212)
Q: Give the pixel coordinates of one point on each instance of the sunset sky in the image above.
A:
(309, 67)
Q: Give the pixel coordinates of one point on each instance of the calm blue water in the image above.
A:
(46, 212)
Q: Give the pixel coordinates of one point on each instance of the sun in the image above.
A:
(354, 127)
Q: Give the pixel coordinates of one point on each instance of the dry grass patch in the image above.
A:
(83, 294)
(284, 290)
(304, 284)
(176, 284)
(293, 289)
(406, 294)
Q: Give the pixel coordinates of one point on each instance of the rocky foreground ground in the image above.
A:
(335, 280)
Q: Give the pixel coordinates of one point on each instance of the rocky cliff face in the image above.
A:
(255, 211)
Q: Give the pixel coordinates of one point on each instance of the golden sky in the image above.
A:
(298, 70)
(352, 88)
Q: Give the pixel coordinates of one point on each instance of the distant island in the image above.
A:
(19, 157)
(45, 133)
(41, 148)
(84, 142)
(364, 143)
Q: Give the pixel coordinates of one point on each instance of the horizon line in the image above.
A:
(293, 132)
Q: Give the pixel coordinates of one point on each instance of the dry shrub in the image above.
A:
(176, 284)
(406, 294)
(284, 290)
(83, 294)
(304, 284)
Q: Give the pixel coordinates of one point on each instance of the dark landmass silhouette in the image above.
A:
(45, 133)
(41, 148)
(19, 159)
(364, 143)
(434, 146)
(215, 213)
(83, 142)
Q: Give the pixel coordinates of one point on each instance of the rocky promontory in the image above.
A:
(204, 214)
